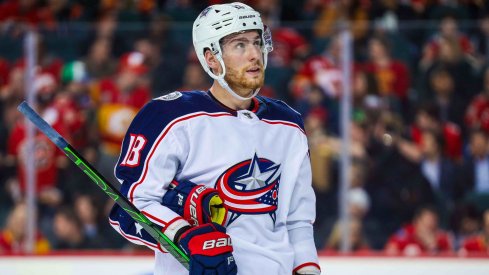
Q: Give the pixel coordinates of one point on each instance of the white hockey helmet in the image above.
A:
(217, 21)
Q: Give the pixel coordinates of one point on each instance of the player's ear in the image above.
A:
(212, 62)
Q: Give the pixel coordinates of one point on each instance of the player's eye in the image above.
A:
(257, 43)
(240, 45)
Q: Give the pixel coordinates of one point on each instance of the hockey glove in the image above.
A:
(210, 250)
(198, 204)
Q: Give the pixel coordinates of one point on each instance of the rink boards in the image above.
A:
(331, 265)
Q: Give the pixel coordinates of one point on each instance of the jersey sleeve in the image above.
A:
(301, 216)
(152, 152)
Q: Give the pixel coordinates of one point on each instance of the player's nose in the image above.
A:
(254, 53)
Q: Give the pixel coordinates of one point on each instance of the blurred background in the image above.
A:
(418, 130)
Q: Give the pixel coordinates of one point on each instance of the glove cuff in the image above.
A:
(308, 269)
(175, 228)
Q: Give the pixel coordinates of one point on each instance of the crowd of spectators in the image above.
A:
(419, 181)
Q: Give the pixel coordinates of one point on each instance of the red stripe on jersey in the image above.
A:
(256, 105)
(257, 210)
(283, 123)
(151, 217)
(170, 125)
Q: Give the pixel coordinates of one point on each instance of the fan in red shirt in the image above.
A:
(119, 98)
(4, 72)
(13, 235)
(423, 235)
(117, 101)
(320, 70)
(30, 12)
(288, 45)
(478, 243)
(45, 153)
(449, 30)
(427, 117)
(477, 115)
(46, 62)
(392, 75)
(128, 86)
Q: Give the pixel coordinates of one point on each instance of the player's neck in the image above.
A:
(227, 99)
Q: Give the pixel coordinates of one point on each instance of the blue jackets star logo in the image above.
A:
(250, 187)
(138, 229)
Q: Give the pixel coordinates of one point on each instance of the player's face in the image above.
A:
(244, 61)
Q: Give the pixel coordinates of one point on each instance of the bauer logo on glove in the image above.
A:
(210, 250)
(198, 204)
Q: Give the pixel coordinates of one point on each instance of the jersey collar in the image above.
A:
(254, 106)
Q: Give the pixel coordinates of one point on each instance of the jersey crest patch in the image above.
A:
(250, 187)
(170, 96)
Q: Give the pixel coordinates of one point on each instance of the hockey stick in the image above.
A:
(105, 185)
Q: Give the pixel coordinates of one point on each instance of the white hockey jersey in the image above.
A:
(258, 160)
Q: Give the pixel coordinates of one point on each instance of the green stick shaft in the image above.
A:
(105, 185)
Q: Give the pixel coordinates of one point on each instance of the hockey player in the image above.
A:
(224, 172)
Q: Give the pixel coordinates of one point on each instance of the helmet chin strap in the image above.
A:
(225, 85)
